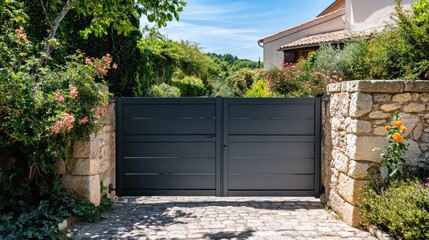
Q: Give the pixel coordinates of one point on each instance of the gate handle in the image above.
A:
(225, 147)
(211, 137)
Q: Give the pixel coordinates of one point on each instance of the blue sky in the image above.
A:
(234, 27)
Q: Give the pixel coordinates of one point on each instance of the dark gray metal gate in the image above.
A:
(218, 146)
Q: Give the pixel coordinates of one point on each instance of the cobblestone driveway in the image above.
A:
(218, 218)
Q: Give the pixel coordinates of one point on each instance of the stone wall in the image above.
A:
(90, 162)
(354, 121)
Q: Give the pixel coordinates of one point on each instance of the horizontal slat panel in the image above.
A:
(169, 165)
(269, 138)
(272, 111)
(273, 149)
(271, 165)
(169, 138)
(270, 193)
(271, 182)
(265, 101)
(272, 126)
(173, 101)
(173, 150)
(169, 192)
(168, 111)
(140, 126)
(160, 182)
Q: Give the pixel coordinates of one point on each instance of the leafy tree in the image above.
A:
(190, 86)
(164, 59)
(164, 90)
(95, 29)
(241, 80)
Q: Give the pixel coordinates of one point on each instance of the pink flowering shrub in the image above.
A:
(42, 109)
(298, 80)
(102, 65)
(65, 123)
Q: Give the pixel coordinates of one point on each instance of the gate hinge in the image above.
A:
(326, 98)
(322, 190)
(110, 188)
(111, 98)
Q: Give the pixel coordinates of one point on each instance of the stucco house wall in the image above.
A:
(367, 15)
(327, 23)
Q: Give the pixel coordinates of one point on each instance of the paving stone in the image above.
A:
(217, 218)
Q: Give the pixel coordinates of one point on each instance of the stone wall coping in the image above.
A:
(380, 86)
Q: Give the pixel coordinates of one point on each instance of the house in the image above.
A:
(339, 21)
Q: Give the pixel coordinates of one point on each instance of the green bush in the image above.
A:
(164, 90)
(241, 80)
(259, 89)
(401, 209)
(346, 64)
(41, 221)
(190, 86)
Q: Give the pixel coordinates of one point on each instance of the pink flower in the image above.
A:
(64, 123)
(73, 91)
(84, 120)
(56, 154)
(115, 66)
(23, 54)
(23, 36)
(58, 97)
(18, 30)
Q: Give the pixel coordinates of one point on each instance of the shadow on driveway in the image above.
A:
(188, 217)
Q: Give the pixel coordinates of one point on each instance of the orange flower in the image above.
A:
(397, 137)
(397, 123)
(404, 129)
(387, 127)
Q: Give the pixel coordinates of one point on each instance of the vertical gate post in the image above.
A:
(317, 145)
(119, 180)
(225, 148)
(219, 140)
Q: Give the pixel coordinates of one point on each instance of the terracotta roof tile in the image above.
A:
(317, 39)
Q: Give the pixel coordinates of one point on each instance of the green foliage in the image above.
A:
(402, 51)
(346, 64)
(41, 221)
(221, 88)
(42, 108)
(182, 64)
(164, 90)
(259, 89)
(118, 15)
(241, 80)
(233, 63)
(164, 59)
(297, 80)
(190, 86)
(401, 209)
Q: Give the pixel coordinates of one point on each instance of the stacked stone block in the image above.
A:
(354, 124)
(90, 162)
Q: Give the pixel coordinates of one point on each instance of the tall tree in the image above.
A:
(97, 27)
